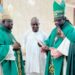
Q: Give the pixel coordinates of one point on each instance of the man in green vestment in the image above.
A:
(65, 25)
(18, 53)
(70, 34)
(55, 58)
(8, 63)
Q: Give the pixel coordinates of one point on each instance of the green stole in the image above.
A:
(58, 62)
(19, 60)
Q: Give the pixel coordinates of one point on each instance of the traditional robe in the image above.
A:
(57, 62)
(35, 60)
(7, 59)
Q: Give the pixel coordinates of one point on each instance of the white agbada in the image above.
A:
(35, 60)
(64, 49)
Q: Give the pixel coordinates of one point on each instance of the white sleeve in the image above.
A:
(10, 50)
(10, 55)
(64, 47)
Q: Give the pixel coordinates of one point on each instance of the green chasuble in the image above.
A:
(70, 30)
(8, 67)
(7, 39)
(57, 62)
(71, 60)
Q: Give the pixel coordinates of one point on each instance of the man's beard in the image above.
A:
(9, 28)
(59, 25)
